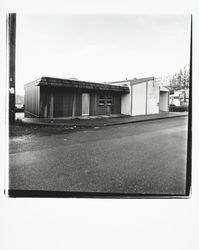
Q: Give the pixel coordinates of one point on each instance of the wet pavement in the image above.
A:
(143, 158)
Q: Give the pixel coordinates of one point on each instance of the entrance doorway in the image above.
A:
(109, 103)
(85, 103)
(164, 101)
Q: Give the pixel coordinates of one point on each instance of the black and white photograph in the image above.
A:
(99, 125)
(99, 105)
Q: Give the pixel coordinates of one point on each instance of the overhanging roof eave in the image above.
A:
(53, 82)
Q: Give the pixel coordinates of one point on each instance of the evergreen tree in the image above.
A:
(180, 79)
(186, 77)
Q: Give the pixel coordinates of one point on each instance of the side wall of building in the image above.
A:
(126, 100)
(145, 98)
(139, 102)
(32, 100)
(126, 104)
(153, 98)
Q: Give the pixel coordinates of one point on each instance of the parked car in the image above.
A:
(184, 104)
(19, 107)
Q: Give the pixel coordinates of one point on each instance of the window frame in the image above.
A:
(109, 98)
(100, 99)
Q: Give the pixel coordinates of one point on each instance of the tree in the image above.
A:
(173, 82)
(180, 79)
(186, 77)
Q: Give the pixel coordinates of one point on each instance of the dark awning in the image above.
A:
(69, 83)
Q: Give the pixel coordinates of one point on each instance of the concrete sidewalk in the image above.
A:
(99, 121)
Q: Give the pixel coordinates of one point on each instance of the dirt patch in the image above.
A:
(21, 129)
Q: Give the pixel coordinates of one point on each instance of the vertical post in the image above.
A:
(189, 140)
(131, 92)
(168, 94)
(146, 98)
(11, 42)
(95, 104)
(159, 99)
(51, 112)
(74, 104)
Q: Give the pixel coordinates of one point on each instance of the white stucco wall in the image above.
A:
(139, 99)
(126, 102)
(126, 99)
(134, 103)
(153, 98)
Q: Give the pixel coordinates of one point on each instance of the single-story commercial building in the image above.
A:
(53, 97)
(145, 97)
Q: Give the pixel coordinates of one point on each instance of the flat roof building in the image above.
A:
(49, 97)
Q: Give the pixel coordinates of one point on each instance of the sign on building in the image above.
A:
(162, 81)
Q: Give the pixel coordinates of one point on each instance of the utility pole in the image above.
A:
(11, 43)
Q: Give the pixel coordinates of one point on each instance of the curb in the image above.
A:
(150, 119)
(98, 125)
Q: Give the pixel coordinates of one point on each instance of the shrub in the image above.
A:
(178, 108)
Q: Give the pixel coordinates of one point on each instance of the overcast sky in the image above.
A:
(100, 47)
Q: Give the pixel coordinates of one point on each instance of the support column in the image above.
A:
(146, 97)
(74, 105)
(51, 115)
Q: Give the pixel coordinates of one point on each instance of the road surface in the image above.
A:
(146, 157)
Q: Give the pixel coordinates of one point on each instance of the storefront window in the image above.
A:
(109, 100)
(105, 100)
(101, 100)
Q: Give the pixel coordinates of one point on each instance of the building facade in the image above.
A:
(53, 97)
(144, 97)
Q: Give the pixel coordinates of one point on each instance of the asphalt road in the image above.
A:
(146, 157)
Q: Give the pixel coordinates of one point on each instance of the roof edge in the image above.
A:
(71, 83)
(134, 80)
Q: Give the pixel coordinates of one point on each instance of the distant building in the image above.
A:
(179, 97)
(19, 101)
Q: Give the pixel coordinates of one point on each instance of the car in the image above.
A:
(184, 104)
(19, 107)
